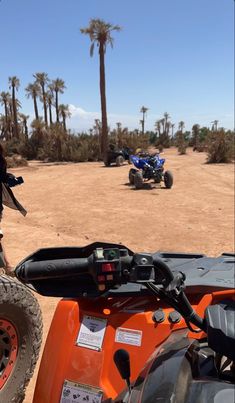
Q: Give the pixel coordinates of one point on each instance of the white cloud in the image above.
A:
(82, 120)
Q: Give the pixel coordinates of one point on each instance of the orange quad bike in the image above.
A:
(126, 332)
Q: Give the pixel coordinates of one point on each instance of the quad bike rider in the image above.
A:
(149, 167)
(125, 330)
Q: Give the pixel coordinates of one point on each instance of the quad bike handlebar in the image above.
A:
(109, 268)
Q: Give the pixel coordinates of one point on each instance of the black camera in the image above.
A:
(12, 180)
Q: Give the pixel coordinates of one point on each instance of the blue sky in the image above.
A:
(171, 55)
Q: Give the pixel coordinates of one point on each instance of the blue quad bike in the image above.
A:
(149, 167)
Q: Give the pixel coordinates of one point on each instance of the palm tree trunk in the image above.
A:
(6, 129)
(50, 114)
(57, 107)
(15, 127)
(104, 143)
(35, 107)
(64, 123)
(143, 124)
(44, 106)
(6, 112)
(26, 129)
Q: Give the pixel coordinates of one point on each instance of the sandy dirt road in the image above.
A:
(76, 204)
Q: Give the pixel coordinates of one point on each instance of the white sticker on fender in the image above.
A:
(128, 336)
(73, 392)
(91, 333)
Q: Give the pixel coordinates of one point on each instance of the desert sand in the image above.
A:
(76, 204)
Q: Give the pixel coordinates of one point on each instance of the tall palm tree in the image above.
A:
(166, 117)
(24, 119)
(65, 113)
(33, 91)
(14, 84)
(58, 86)
(143, 110)
(49, 100)
(158, 127)
(100, 33)
(5, 99)
(97, 127)
(195, 133)
(42, 79)
(2, 126)
(98, 133)
(181, 142)
(215, 125)
(181, 126)
(172, 130)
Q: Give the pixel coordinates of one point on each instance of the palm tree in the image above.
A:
(172, 130)
(49, 99)
(158, 127)
(5, 99)
(144, 111)
(100, 33)
(24, 119)
(98, 133)
(181, 126)
(195, 133)
(33, 91)
(166, 117)
(97, 127)
(42, 79)
(215, 125)
(64, 112)
(14, 84)
(58, 86)
(182, 145)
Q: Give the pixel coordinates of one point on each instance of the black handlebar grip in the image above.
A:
(57, 268)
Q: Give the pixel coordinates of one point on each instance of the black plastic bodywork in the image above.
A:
(181, 370)
(220, 328)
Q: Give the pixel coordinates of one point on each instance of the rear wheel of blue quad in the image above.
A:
(131, 176)
(168, 179)
(138, 180)
(20, 338)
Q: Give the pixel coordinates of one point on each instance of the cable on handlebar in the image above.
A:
(164, 269)
(181, 304)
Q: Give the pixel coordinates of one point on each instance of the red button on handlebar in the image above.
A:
(101, 279)
(108, 267)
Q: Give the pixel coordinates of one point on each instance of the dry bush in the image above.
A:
(181, 142)
(132, 140)
(220, 147)
(16, 161)
(55, 144)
